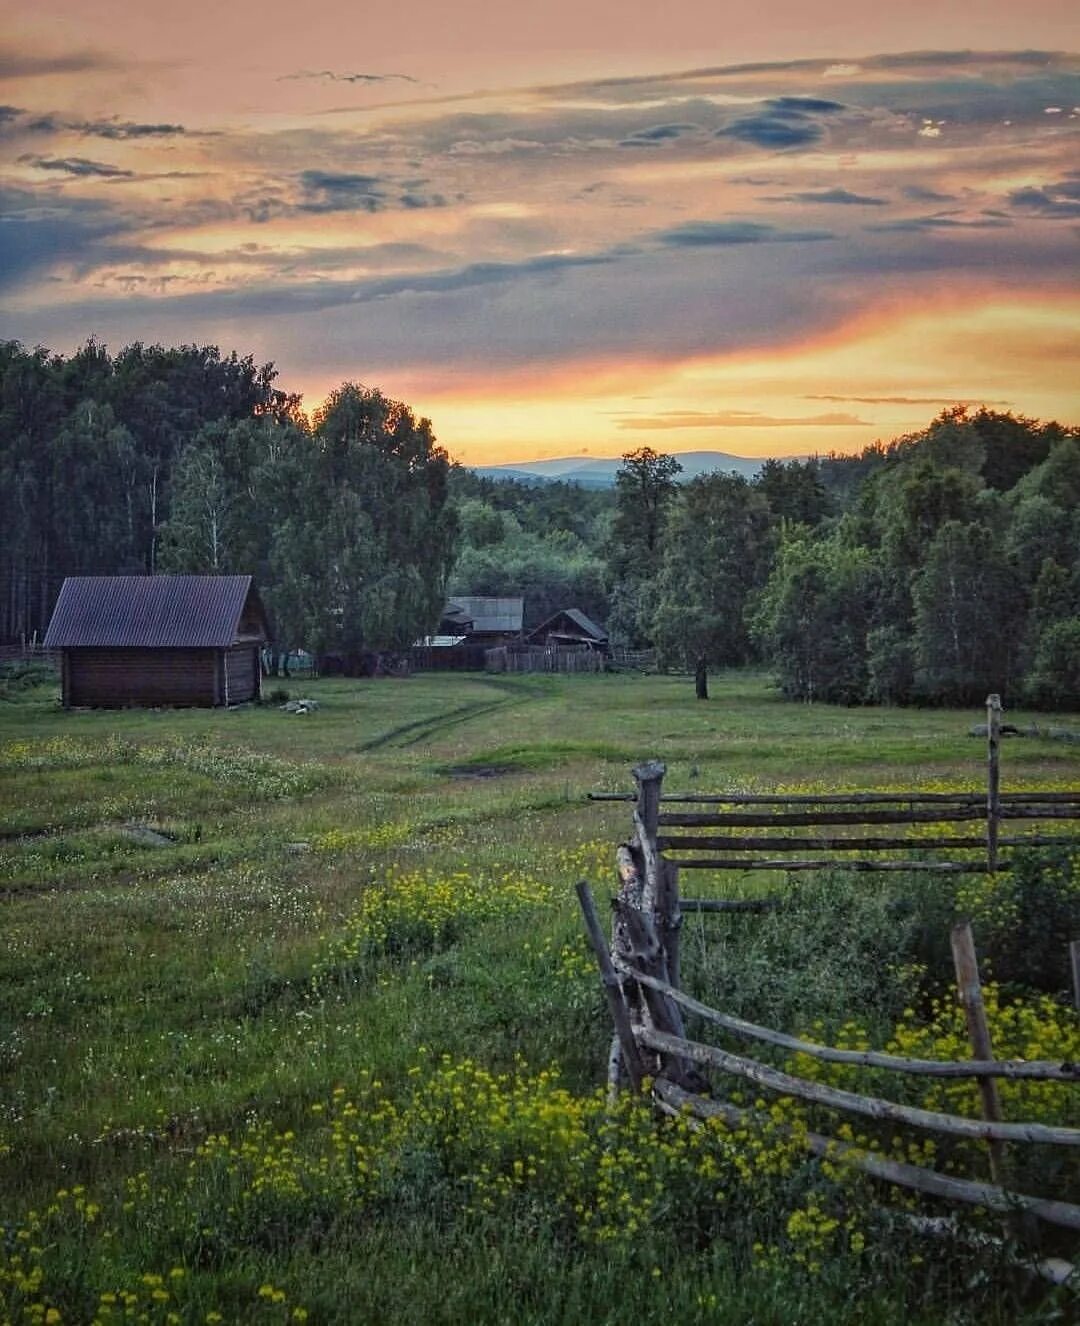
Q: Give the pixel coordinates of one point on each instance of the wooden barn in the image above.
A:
(158, 640)
(569, 628)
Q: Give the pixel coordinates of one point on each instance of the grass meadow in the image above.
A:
(297, 1021)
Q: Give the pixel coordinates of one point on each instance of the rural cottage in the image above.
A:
(158, 640)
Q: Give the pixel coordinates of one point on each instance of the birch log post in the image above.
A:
(613, 993)
(993, 778)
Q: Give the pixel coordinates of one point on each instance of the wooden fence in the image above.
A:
(542, 658)
(837, 823)
(641, 973)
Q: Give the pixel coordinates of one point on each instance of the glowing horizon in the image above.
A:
(747, 236)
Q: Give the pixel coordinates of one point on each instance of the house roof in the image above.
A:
(489, 614)
(584, 624)
(148, 612)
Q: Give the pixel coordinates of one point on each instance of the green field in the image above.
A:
(297, 1021)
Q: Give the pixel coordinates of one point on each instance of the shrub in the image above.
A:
(1025, 918)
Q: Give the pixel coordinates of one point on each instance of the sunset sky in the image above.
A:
(556, 228)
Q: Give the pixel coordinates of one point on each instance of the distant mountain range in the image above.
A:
(592, 473)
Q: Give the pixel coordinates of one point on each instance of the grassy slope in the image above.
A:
(150, 993)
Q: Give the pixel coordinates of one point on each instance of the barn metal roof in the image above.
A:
(490, 614)
(150, 612)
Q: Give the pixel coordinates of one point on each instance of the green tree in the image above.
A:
(644, 487)
(363, 562)
(968, 617)
(794, 491)
(811, 620)
(1054, 679)
(717, 546)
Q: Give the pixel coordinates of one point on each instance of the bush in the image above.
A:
(1054, 682)
(1025, 918)
(24, 675)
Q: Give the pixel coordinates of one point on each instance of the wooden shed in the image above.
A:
(569, 628)
(158, 640)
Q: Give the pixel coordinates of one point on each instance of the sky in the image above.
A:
(563, 228)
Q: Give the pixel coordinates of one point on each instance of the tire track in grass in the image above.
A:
(423, 729)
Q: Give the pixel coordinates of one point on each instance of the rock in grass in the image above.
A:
(300, 707)
(145, 836)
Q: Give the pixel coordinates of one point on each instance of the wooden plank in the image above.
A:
(852, 1102)
(1014, 1069)
(679, 1102)
(810, 818)
(843, 798)
(816, 843)
(752, 863)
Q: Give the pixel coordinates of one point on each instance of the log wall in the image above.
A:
(118, 678)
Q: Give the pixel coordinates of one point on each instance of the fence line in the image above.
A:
(641, 973)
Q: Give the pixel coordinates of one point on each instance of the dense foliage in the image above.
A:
(186, 460)
(937, 569)
(934, 569)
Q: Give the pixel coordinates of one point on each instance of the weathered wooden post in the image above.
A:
(993, 778)
(970, 988)
(1074, 963)
(613, 992)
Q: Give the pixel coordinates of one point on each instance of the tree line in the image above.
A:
(187, 460)
(933, 570)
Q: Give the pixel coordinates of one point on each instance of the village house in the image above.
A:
(158, 640)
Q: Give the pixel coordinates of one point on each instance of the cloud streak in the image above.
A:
(675, 419)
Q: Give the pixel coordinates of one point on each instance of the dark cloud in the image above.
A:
(917, 224)
(807, 105)
(80, 166)
(785, 122)
(710, 234)
(125, 129)
(414, 201)
(777, 131)
(657, 134)
(840, 197)
(328, 75)
(333, 191)
(1059, 201)
(16, 121)
(918, 194)
(37, 235)
(28, 64)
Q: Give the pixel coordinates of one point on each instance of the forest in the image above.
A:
(931, 569)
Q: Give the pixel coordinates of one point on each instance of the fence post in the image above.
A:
(993, 778)
(970, 988)
(620, 1016)
(649, 778)
(1074, 963)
